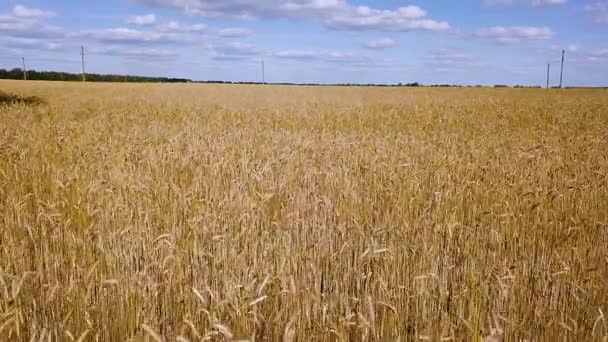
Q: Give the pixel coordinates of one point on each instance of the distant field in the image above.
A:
(268, 213)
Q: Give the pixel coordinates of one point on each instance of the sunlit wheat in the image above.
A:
(266, 213)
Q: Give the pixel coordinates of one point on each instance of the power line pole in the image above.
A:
(561, 74)
(24, 69)
(84, 77)
(548, 73)
(263, 73)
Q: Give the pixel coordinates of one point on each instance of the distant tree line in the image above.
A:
(17, 74)
(33, 75)
(416, 84)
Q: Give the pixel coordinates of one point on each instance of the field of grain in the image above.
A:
(268, 213)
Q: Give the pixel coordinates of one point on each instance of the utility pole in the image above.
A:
(263, 73)
(548, 73)
(561, 74)
(24, 69)
(84, 77)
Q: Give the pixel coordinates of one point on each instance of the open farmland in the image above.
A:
(132, 212)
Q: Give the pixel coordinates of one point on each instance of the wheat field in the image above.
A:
(188, 212)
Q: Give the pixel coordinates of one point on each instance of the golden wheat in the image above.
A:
(190, 212)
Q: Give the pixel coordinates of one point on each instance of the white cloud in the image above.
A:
(126, 36)
(599, 53)
(248, 8)
(336, 14)
(535, 3)
(147, 19)
(578, 54)
(599, 11)
(548, 2)
(138, 53)
(235, 32)
(402, 19)
(28, 32)
(23, 27)
(515, 34)
(30, 43)
(299, 54)
(234, 51)
(584, 56)
(450, 56)
(324, 56)
(27, 12)
(380, 44)
(572, 48)
(10, 23)
(450, 60)
(174, 26)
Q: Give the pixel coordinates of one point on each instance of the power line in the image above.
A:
(548, 73)
(561, 74)
(24, 69)
(84, 77)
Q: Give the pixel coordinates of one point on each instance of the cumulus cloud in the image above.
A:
(27, 27)
(450, 60)
(598, 54)
(235, 32)
(170, 33)
(138, 53)
(584, 56)
(174, 26)
(380, 44)
(336, 14)
(515, 34)
(572, 48)
(602, 52)
(548, 2)
(12, 24)
(535, 3)
(449, 56)
(147, 19)
(598, 11)
(30, 43)
(324, 56)
(234, 51)
(248, 8)
(28, 12)
(402, 19)
(127, 36)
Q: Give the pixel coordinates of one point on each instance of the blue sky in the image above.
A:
(328, 41)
